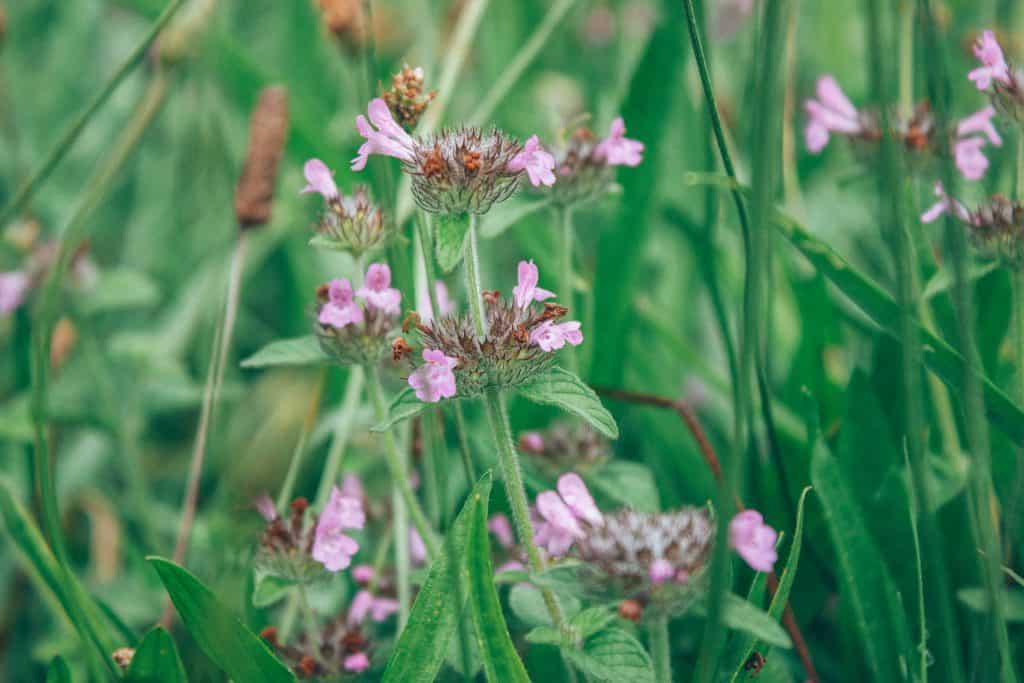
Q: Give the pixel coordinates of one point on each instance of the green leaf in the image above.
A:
(878, 618)
(119, 289)
(590, 621)
(421, 650)
(450, 232)
(298, 351)
(976, 599)
(268, 589)
(743, 616)
(30, 542)
(613, 656)
(527, 603)
(559, 387)
(156, 660)
(58, 671)
(500, 660)
(503, 216)
(403, 406)
(629, 483)
(942, 280)
(218, 632)
(544, 635)
(327, 243)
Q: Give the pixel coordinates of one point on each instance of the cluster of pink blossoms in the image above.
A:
(548, 335)
(342, 309)
(332, 547)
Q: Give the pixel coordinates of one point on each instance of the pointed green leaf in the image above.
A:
(527, 603)
(500, 660)
(58, 671)
(403, 406)
(450, 232)
(590, 621)
(503, 216)
(743, 616)
(156, 660)
(422, 648)
(268, 589)
(217, 631)
(613, 656)
(559, 387)
(298, 351)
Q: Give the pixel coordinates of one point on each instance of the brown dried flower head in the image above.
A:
(268, 130)
(406, 98)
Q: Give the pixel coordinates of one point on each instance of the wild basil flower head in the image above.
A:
(565, 446)
(521, 340)
(1003, 81)
(352, 326)
(995, 228)
(461, 170)
(348, 223)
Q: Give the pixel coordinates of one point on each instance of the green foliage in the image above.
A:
(156, 660)
(561, 388)
(450, 232)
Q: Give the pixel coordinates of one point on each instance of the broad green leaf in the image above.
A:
(58, 671)
(976, 599)
(503, 216)
(269, 589)
(879, 620)
(563, 579)
(218, 632)
(544, 635)
(626, 482)
(422, 648)
(449, 237)
(559, 387)
(500, 660)
(590, 621)
(527, 603)
(778, 605)
(403, 406)
(298, 351)
(614, 656)
(743, 616)
(156, 660)
(119, 289)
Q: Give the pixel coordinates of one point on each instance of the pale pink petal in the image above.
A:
(319, 179)
(362, 573)
(980, 122)
(357, 662)
(575, 494)
(499, 525)
(753, 540)
(537, 163)
(265, 506)
(660, 571)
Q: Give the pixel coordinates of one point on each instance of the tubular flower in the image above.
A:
(377, 292)
(456, 171)
(993, 65)
(559, 518)
(617, 149)
(286, 545)
(753, 540)
(434, 380)
(352, 328)
(526, 290)
(366, 604)
(967, 150)
(348, 223)
(341, 309)
(831, 112)
(331, 546)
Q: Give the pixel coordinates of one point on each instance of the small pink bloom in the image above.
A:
(499, 525)
(944, 205)
(388, 138)
(753, 540)
(377, 290)
(357, 662)
(319, 179)
(359, 608)
(445, 306)
(971, 161)
(341, 308)
(362, 573)
(434, 380)
(617, 149)
(994, 66)
(331, 546)
(831, 112)
(575, 494)
(557, 526)
(660, 571)
(552, 336)
(531, 442)
(382, 608)
(527, 291)
(417, 551)
(352, 487)
(980, 122)
(537, 163)
(13, 287)
(265, 506)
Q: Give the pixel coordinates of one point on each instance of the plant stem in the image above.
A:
(71, 133)
(471, 264)
(400, 516)
(342, 430)
(312, 628)
(508, 460)
(432, 449)
(397, 466)
(566, 280)
(527, 53)
(285, 495)
(1017, 314)
(657, 635)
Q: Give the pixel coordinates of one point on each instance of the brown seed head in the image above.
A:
(268, 130)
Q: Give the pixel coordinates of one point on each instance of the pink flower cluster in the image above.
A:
(557, 516)
(832, 112)
(617, 149)
(377, 294)
(537, 163)
(434, 380)
(331, 546)
(973, 133)
(993, 64)
(548, 335)
(753, 540)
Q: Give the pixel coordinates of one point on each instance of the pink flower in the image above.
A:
(352, 487)
(753, 540)
(434, 380)
(362, 573)
(265, 506)
(499, 525)
(331, 547)
(551, 336)
(980, 122)
(366, 604)
(356, 662)
(661, 570)
(831, 112)
(13, 287)
(994, 67)
(319, 179)
(445, 306)
(527, 291)
(617, 149)
(537, 163)
(377, 292)
(341, 308)
(417, 551)
(575, 494)
(531, 442)
(971, 161)
(944, 205)
(388, 138)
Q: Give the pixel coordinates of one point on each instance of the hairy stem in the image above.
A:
(565, 278)
(471, 264)
(657, 635)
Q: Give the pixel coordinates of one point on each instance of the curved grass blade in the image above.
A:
(156, 660)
